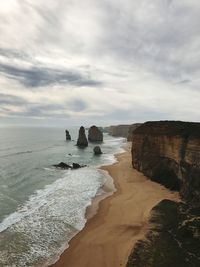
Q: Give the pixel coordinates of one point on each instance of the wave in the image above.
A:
(40, 227)
(17, 153)
(25, 151)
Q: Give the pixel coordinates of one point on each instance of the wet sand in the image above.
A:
(121, 220)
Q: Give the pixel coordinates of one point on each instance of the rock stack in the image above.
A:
(95, 134)
(68, 136)
(97, 150)
(82, 141)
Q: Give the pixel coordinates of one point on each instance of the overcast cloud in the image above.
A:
(71, 62)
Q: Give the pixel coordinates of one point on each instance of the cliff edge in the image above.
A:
(168, 152)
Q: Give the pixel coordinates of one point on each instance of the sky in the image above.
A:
(72, 62)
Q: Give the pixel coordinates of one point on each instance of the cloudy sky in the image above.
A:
(72, 62)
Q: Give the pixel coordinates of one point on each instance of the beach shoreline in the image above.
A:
(115, 222)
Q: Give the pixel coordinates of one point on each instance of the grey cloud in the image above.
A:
(129, 46)
(78, 105)
(37, 77)
(38, 110)
(137, 113)
(154, 38)
(41, 110)
(6, 99)
(186, 81)
(13, 54)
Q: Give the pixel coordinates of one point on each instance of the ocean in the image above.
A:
(41, 207)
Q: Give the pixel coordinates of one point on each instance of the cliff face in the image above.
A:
(118, 130)
(131, 129)
(124, 130)
(173, 238)
(169, 153)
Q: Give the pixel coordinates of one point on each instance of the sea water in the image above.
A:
(41, 207)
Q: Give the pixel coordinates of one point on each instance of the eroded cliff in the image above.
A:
(169, 153)
(123, 130)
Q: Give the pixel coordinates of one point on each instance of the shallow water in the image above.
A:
(41, 207)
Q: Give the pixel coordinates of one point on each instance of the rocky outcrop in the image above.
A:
(95, 134)
(82, 141)
(65, 166)
(124, 130)
(97, 150)
(68, 136)
(169, 153)
(173, 239)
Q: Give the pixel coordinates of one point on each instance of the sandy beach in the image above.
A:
(122, 219)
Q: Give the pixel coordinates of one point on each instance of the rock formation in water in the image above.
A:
(97, 150)
(122, 130)
(82, 141)
(68, 136)
(95, 134)
(168, 152)
(65, 166)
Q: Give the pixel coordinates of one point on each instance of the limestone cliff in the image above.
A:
(118, 130)
(123, 130)
(169, 153)
(131, 129)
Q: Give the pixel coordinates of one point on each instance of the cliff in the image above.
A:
(123, 130)
(131, 129)
(118, 130)
(173, 239)
(169, 153)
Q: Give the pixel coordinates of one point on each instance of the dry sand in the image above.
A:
(122, 219)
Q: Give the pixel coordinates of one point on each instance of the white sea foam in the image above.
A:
(48, 219)
(40, 229)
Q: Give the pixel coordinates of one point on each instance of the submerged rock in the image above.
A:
(82, 141)
(77, 166)
(65, 166)
(68, 136)
(95, 134)
(97, 150)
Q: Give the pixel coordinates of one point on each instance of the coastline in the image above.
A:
(115, 222)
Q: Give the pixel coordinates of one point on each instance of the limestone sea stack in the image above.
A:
(82, 141)
(97, 150)
(95, 134)
(68, 136)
